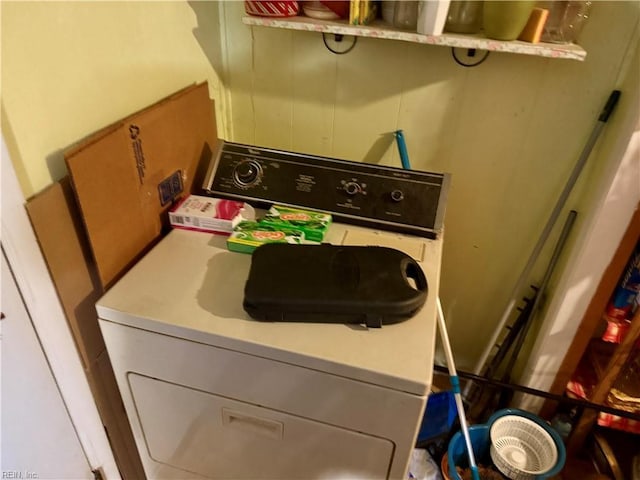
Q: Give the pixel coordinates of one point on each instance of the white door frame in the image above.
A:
(40, 297)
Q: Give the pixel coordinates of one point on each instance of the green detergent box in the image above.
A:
(313, 224)
(247, 236)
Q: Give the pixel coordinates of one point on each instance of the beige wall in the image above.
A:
(70, 68)
(509, 130)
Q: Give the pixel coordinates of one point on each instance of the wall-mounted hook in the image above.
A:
(471, 54)
(337, 46)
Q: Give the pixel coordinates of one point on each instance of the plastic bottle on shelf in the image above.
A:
(566, 20)
(563, 422)
(388, 10)
(464, 16)
(406, 15)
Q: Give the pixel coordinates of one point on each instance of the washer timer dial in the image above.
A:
(353, 187)
(247, 173)
(397, 195)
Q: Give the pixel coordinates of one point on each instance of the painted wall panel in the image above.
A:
(367, 101)
(273, 75)
(431, 87)
(314, 91)
(239, 54)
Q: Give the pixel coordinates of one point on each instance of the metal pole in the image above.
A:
(564, 235)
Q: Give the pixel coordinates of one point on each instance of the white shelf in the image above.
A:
(379, 29)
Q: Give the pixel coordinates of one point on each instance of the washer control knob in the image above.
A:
(397, 196)
(352, 188)
(247, 172)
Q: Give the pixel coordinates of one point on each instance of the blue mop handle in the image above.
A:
(457, 395)
(402, 150)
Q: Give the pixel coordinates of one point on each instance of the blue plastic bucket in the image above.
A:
(439, 416)
(457, 451)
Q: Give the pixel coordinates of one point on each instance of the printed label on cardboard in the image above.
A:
(170, 188)
(136, 145)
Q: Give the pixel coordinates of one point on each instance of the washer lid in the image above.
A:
(190, 286)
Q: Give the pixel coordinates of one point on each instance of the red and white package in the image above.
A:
(265, 8)
(619, 423)
(206, 214)
(616, 330)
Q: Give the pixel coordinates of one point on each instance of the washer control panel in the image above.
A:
(353, 192)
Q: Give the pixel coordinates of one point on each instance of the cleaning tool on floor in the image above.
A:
(516, 443)
(524, 446)
(455, 383)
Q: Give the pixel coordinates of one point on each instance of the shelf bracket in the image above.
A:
(336, 44)
(471, 54)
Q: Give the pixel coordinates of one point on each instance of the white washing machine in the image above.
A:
(211, 393)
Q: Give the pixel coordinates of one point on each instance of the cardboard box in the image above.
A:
(56, 222)
(247, 236)
(313, 224)
(206, 214)
(127, 176)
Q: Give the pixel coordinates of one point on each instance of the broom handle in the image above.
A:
(455, 383)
